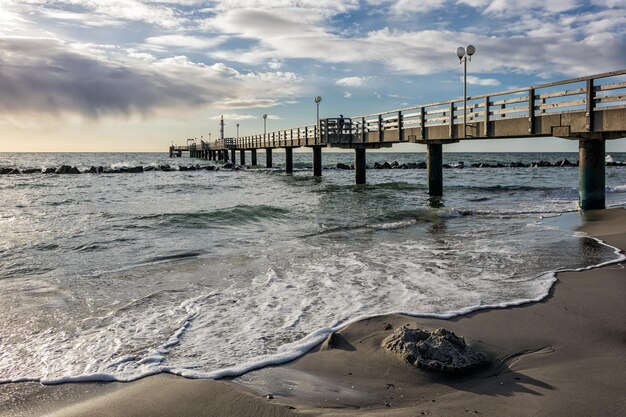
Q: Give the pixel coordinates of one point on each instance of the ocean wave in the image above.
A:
(238, 215)
(616, 189)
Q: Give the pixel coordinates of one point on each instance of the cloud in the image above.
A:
(403, 7)
(49, 76)
(480, 81)
(353, 81)
(184, 42)
(234, 116)
(533, 43)
(347, 94)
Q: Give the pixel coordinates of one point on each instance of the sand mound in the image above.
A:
(439, 350)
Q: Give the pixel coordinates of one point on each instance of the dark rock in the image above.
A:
(447, 166)
(183, 168)
(136, 170)
(461, 164)
(92, 170)
(210, 168)
(541, 164)
(165, 168)
(149, 168)
(439, 350)
(564, 163)
(342, 166)
(421, 165)
(74, 170)
(386, 165)
(228, 165)
(31, 171)
(49, 171)
(377, 165)
(63, 169)
(395, 165)
(4, 171)
(14, 172)
(499, 165)
(411, 165)
(518, 165)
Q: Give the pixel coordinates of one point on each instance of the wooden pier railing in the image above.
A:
(589, 109)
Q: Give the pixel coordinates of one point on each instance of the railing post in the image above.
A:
(486, 127)
(531, 111)
(363, 130)
(423, 123)
(589, 105)
(452, 120)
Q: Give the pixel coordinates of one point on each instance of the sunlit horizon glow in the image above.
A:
(135, 75)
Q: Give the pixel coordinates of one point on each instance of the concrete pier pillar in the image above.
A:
(233, 153)
(288, 160)
(435, 169)
(171, 151)
(591, 172)
(225, 154)
(242, 156)
(317, 161)
(253, 157)
(268, 157)
(359, 165)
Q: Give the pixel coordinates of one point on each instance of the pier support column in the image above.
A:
(225, 154)
(359, 165)
(253, 156)
(288, 160)
(268, 157)
(591, 172)
(233, 153)
(435, 169)
(242, 156)
(171, 151)
(317, 161)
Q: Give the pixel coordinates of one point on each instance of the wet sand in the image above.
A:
(563, 356)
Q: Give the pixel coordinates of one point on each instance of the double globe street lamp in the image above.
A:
(465, 54)
(318, 100)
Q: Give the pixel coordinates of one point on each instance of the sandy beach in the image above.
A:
(563, 356)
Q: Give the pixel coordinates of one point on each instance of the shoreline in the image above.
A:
(350, 374)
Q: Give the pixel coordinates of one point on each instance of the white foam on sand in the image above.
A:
(281, 313)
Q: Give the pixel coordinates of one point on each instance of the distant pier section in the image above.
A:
(588, 109)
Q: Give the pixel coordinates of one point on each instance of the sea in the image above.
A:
(207, 274)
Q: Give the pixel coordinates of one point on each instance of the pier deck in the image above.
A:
(589, 109)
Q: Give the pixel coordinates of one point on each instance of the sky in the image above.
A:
(137, 75)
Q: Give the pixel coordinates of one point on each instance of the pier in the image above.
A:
(588, 109)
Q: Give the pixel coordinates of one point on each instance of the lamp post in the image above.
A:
(237, 130)
(464, 55)
(265, 127)
(317, 100)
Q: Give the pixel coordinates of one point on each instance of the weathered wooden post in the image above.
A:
(253, 157)
(268, 157)
(591, 180)
(435, 169)
(242, 156)
(288, 160)
(359, 165)
(232, 155)
(317, 161)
